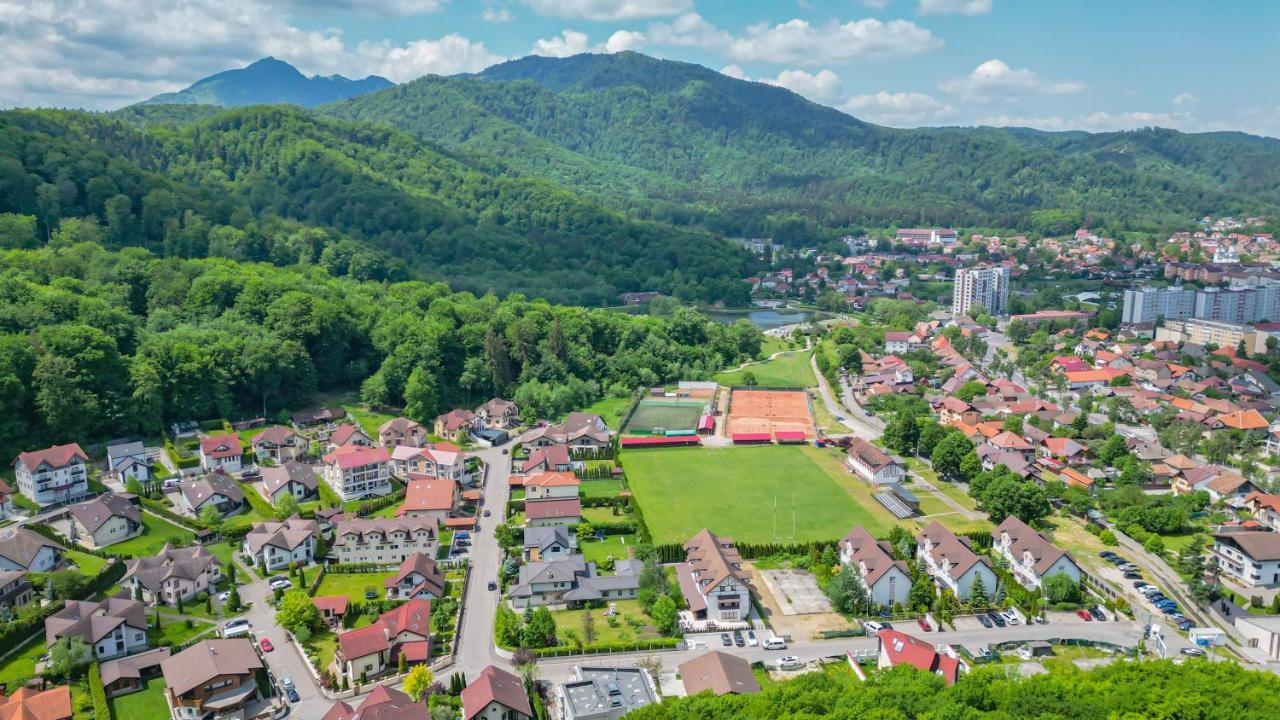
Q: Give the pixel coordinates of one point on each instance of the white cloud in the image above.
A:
(1100, 121)
(822, 87)
(382, 7)
(799, 42)
(955, 7)
(568, 42)
(497, 15)
(899, 109)
(995, 80)
(1185, 100)
(734, 71)
(623, 40)
(105, 53)
(609, 9)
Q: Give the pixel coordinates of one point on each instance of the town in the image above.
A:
(946, 469)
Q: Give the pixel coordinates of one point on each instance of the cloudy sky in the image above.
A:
(1052, 64)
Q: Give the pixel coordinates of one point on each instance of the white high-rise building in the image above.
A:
(984, 287)
(1147, 305)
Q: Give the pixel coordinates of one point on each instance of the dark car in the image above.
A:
(1139, 585)
(1106, 554)
(726, 640)
(1097, 614)
(986, 621)
(493, 585)
(995, 618)
(1133, 575)
(291, 694)
(738, 639)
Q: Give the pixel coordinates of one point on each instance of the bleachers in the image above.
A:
(894, 505)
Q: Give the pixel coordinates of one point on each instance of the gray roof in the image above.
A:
(184, 563)
(21, 546)
(608, 692)
(95, 513)
(91, 621)
(119, 455)
(199, 491)
(277, 476)
(566, 569)
(286, 535)
(132, 666)
(544, 537)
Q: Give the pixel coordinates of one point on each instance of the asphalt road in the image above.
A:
(475, 636)
(285, 660)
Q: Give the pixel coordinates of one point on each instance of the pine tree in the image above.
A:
(978, 592)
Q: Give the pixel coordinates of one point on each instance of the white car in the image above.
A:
(236, 628)
(775, 643)
(751, 638)
(1010, 617)
(789, 662)
(281, 584)
(224, 595)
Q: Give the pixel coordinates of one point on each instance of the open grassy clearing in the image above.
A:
(613, 545)
(641, 627)
(353, 585)
(600, 488)
(90, 565)
(786, 371)
(148, 702)
(21, 666)
(157, 531)
(733, 492)
(610, 409)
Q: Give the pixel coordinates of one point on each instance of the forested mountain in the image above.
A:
(682, 144)
(276, 183)
(269, 81)
(97, 344)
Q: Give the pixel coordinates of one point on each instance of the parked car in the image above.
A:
(487, 513)
(725, 640)
(1010, 617)
(1084, 615)
(871, 627)
(738, 639)
(1185, 624)
(287, 682)
(493, 585)
(1106, 554)
(291, 694)
(266, 645)
(995, 618)
(789, 662)
(1097, 614)
(236, 628)
(280, 584)
(1133, 575)
(924, 624)
(751, 638)
(1167, 610)
(1138, 585)
(773, 642)
(1192, 652)
(985, 621)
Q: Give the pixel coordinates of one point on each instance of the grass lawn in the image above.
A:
(225, 553)
(601, 488)
(321, 649)
(90, 565)
(176, 631)
(368, 420)
(785, 371)
(771, 345)
(733, 491)
(1173, 544)
(597, 550)
(1070, 535)
(602, 515)
(146, 703)
(611, 409)
(21, 666)
(623, 632)
(158, 531)
(353, 584)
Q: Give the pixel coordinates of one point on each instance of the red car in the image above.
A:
(1084, 615)
(266, 645)
(924, 624)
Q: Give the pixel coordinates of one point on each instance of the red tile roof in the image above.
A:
(55, 457)
(494, 685)
(426, 493)
(335, 604)
(29, 704)
(550, 509)
(901, 649)
(354, 456)
(221, 446)
(363, 641)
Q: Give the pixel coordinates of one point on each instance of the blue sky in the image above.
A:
(1051, 64)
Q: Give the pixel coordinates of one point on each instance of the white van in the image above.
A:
(872, 627)
(773, 642)
(236, 628)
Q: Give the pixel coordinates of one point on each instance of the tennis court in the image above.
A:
(754, 412)
(655, 417)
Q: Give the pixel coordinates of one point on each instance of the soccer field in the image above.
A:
(668, 415)
(732, 491)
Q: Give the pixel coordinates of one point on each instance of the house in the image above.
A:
(718, 673)
(216, 490)
(354, 472)
(418, 578)
(24, 549)
(495, 694)
(57, 474)
(385, 541)
(888, 581)
(952, 563)
(213, 676)
(953, 410)
(401, 431)
(579, 432)
(895, 648)
(348, 434)
(279, 444)
(429, 497)
(370, 651)
(1030, 555)
(442, 460)
(573, 581)
(551, 486)
(105, 520)
(291, 478)
(128, 674)
(553, 458)
(1248, 421)
(1085, 379)
(1265, 509)
(1249, 558)
(332, 608)
(383, 703)
(171, 574)
(16, 591)
(873, 465)
(598, 693)
(128, 461)
(553, 511)
(221, 452)
(897, 342)
(114, 627)
(275, 545)
(497, 413)
(6, 500)
(548, 543)
(31, 704)
(455, 423)
(1064, 449)
(323, 416)
(712, 581)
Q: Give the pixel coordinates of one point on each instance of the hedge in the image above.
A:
(182, 462)
(315, 581)
(829, 634)
(98, 694)
(163, 510)
(603, 648)
(257, 502)
(373, 506)
(357, 568)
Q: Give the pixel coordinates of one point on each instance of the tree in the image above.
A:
(665, 615)
(921, 595)
(748, 378)
(930, 435)
(211, 516)
(540, 629)
(421, 395)
(1009, 495)
(902, 432)
(1013, 424)
(287, 506)
(978, 592)
(1060, 588)
(970, 466)
(1112, 449)
(588, 627)
(949, 453)
(68, 656)
(418, 682)
(970, 390)
(296, 611)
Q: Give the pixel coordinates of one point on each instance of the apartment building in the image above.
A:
(386, 541)
(981, 287)
(1148, 305)
(355, 472)
(57, 474)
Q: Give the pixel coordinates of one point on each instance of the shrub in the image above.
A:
(1108, 538)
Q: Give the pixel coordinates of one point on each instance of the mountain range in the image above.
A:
(269, 81)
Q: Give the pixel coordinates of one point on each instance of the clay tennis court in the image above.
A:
(769, 411)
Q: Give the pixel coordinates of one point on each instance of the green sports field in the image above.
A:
(791, 370)
(732, 491)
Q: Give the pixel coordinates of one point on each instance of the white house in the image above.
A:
(495, 695)
(551, 486)
(278, 444)
(1249, 558)
(24, 549)
(873, 465)
(276, 544)
(952, 562)
(386, 541)
(887, 580)
(128, 461)
(355, 472)
(54, 475)
(292, 478)
(221, 452)
(400, 431)
(215, 489)
(1031, 556)
(105, 520)
(173, 573)
(442, 460)
(418, 577)
(114, 627)
(897, 342)
(712, 581)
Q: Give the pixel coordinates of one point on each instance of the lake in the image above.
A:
(765, 319)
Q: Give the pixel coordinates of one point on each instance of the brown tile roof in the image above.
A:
(555, 508)
(956, 550)
(1023, 539)
(494, 685)
(221, 446)
(720, 673)
(274, 435)
(874, 555)
(95, 513)
(713, 559)
(432, 577)
(426, 493)
(1257, 545)
(869, 454)
(207, 660)
(277, 476)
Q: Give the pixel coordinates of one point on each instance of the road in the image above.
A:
(475, 636)
(285, 660)
(854, 417)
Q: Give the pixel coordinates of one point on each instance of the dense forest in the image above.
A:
(273, 183)
(1157, 690)
(685, 145)
(98, 343)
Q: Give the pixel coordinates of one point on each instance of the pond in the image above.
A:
(765, 319)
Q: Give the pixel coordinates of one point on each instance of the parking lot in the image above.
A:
(971, 623)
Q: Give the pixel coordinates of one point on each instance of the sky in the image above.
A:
(1051, 64)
